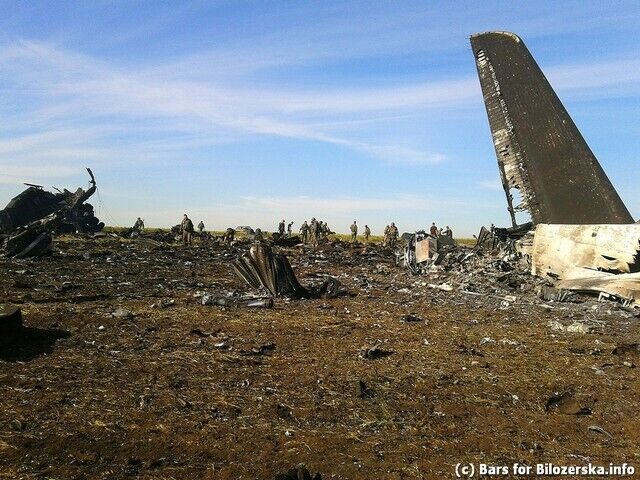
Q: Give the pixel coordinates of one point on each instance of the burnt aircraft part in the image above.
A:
(538, 146)
(35, 204)
(264, 270)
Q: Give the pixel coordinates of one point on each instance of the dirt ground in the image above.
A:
(110, 380)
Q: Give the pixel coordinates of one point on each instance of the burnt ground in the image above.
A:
(89, 394)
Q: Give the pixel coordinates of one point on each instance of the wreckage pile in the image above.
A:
(30, 219)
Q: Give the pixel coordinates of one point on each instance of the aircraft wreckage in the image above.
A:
(29, 220)
(583, 235)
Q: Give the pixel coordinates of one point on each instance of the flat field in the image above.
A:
(122, 373)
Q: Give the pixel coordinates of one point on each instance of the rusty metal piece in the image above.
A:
(540, 151)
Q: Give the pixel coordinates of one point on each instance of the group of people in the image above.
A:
(281, 229)
(187, 230)
(434, 231)
(391, 234)
(314, 231)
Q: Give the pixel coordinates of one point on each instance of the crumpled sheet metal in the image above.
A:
(558, 248)
(539, 149)
(261, 268)
(595, 258)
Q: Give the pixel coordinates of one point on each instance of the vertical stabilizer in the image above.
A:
(540, 151)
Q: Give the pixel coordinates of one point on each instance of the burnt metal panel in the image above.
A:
(540, 151)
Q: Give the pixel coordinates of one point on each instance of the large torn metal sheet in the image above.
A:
(600, 258)
(540, 151)
(623, 285)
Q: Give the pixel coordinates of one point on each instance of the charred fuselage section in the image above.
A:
(29, 220)
(542, 157)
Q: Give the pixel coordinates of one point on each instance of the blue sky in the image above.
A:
(242, 113)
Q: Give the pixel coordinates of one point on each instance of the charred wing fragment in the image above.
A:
(537, 145)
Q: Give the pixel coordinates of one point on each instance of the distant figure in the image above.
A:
(281, 228)
(304, 232)
(229, 235)
(385, 238)
(354, 231)
(257, 236)
(433, 230)
(289, 228)
(138, 227)
(201, 227)
(186, 227)
(448, 232)
(367, 233)
(313, 232)
(393, 235)
(492, 228)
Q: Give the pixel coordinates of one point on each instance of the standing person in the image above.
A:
(289, 228)
(186, 227)
(313, 232)
(385, 238)
(367, 233)
(281, 228)
(433, 230)
(354, 231)
(304, 232)
(448, 232)
(138, 227)
(492, 228)
(229, 235)
(201, 227)
(393, 235)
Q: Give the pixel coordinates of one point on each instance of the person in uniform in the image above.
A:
(433, 230)
(201, 227)
(186, 227)
(289, 229)
(281, 228)
(304, 232)
(393, 235)
(448, 232)
(138, 227)
(385, 238)
(367, 233)
(354, 232)
(229, 235)
(313, 232)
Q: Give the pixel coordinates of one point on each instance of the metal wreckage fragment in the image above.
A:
(263, 269)
(540, 151)
(29, 220)
(584, 237)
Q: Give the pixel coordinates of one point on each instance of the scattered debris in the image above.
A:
(376, 352)
(410, 317)
(10, 323)
(364, 390)
(298, 473)
(597, 429)
(566, 404)
(247, 302)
